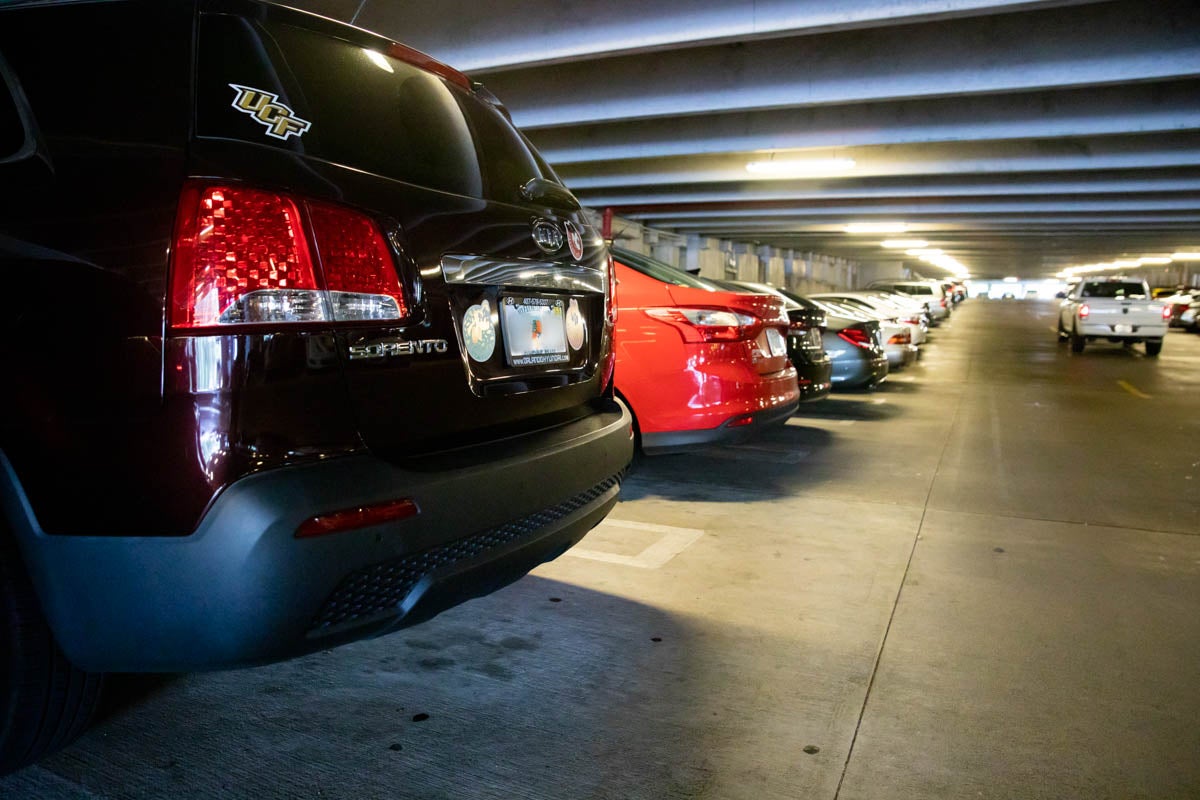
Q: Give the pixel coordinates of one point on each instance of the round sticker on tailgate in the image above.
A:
(479, 334)
(576, 329)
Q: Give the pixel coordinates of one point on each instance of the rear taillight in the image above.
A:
(903, 337)
(610, 294)
(241, 256)
(943, 302)
(708, 324)
(1167, 312)
(1084, 310)
(856, 337)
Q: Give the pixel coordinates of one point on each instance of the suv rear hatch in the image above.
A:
(402, 174)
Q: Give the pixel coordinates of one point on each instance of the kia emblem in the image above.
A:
(547, 236)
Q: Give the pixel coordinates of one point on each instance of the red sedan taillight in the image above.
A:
(242, 256)
(708, 324)
(856, 337)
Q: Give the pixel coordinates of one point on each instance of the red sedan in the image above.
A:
(696, 363)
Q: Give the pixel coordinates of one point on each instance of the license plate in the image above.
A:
(535, 330)
(1122, 329)
(776, 342)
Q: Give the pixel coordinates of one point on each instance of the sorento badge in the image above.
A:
(279, 120)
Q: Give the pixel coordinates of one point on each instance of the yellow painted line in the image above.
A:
(1133, 390)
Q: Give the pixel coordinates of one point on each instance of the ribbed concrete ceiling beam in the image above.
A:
(1141, 151)
(1056, 48)
(1144, 108)
(529, 32)
(1122, 182)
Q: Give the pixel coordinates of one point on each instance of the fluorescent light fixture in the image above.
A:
(800, 167)
(1012, 279)
(379, 60)
(922, 252)
(1185, 256)
(876, 227)
(904, 244)
(1154, 260)
(1125, 262)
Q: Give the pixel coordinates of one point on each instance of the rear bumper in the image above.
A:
(815, 380)
(726, 433)
(1138, 332)
(243, 590)
(859, 372)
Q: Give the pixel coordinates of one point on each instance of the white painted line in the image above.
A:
(671, 543)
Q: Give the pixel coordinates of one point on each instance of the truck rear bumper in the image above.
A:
(242, 589)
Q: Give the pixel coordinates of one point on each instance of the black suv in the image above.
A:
(306, 343)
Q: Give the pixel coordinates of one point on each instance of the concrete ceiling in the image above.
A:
(1018, 137)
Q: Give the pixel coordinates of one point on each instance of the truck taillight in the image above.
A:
(242, 256)
(1084, 310)
(1166, 312)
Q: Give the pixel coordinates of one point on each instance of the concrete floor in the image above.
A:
(981, 580)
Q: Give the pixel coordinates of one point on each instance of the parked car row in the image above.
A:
(702, 361)
(1183, 305)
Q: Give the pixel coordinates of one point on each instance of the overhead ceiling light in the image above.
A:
(1012, 279)
(1125, 262)
(800, 167)
(1185, 256)
(1154, 260)
(876, 227)
(903, 244)
(922, 252)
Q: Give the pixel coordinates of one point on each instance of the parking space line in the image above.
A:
(671, 543)
(1133, 390)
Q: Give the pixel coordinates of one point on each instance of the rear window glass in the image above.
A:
(363, 109)
(1130, 289)
(661, 271)
(12, 132)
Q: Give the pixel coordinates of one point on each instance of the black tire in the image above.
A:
(1153, 348)
(45, 701)
(1062, 333)
(1077, 342)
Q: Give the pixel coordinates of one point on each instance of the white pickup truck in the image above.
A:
(1116, 309)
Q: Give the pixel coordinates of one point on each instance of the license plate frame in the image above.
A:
(534, 329)
(1119, 328)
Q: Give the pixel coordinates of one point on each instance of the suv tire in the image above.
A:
(45, 701)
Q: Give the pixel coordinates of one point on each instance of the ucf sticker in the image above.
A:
(479, 335)
(576, 329)
(265, 108)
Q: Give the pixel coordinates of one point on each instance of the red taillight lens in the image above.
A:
(353, 518)
(241, 256)
(856, 336)
(359, 272)
(610, 295)
(708, 324)
(1167, 312)
(1084, 310)
(240, 253)
(904, 337)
